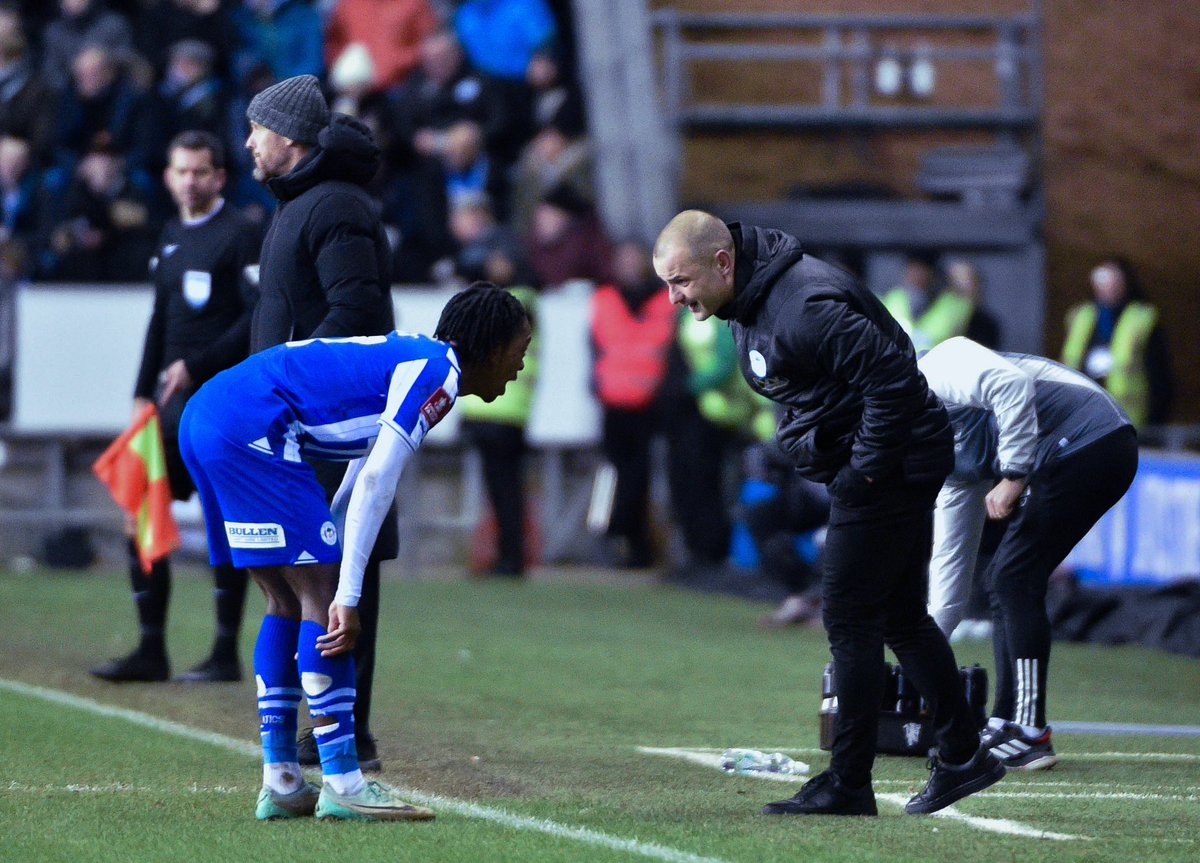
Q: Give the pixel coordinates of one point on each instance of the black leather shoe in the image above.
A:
(137, 666)
(952, 782)
(825, 794)
(306, 749)
(213, 671)
(368, 753)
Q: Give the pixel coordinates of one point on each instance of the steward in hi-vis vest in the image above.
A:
(1118, 363)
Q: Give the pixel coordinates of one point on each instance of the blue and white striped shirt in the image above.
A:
(326, 398)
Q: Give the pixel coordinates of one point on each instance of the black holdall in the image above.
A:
(905, 723)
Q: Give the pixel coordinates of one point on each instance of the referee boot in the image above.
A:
(140, 666)
(213, 670)
(1018, 749)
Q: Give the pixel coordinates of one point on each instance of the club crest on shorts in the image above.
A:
(436, 406)
(329, 533)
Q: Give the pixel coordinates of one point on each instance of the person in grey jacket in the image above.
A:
(860, 419)
(1047, 451)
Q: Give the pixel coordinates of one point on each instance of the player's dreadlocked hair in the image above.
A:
(479, 320)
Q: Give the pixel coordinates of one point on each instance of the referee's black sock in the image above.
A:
(151, 594)
(229, 595)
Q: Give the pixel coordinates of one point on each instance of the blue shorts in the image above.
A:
(260, 508)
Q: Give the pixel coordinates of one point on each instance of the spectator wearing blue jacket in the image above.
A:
(284, 34)
(501, 36)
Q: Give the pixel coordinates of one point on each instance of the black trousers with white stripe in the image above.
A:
(1065, 499)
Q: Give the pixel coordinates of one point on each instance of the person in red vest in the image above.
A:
(633, 329)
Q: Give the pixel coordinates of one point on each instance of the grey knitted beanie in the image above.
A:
(294, 108)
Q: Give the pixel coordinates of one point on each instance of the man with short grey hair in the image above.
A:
(860, 419)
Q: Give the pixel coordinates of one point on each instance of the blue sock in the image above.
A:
(278, 683)
(328, 683)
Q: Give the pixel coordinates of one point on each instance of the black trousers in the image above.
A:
(502, 448)
(626, 443)
(696, 455)
(873, 589)
(1065, 499)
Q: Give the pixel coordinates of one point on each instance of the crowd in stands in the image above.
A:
(472, 104)
(487, 174)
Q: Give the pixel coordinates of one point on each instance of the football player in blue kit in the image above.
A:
(366, 400)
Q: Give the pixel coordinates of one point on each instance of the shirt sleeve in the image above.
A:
(961, 372)
(152, 352)
(958, 520)
(370, 496)
(421, 393)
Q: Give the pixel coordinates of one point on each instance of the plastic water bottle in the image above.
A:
(753, 761)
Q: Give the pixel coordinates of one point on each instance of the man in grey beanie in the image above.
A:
(324, 273)
(294, 108)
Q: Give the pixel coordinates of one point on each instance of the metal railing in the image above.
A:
(848, 50)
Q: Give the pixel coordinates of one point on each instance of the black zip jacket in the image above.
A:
(324, 265)
(810, 337)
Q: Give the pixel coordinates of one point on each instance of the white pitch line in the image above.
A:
(116, 788)
(1126, 729)
(709, 758)
(459, 807)
(1036, 786)
(1183, 757)
(991, 825)
(1130, 756)
(1089, 795)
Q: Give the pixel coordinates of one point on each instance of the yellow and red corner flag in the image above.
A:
(134, 468)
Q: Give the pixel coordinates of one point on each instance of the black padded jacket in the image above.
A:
(813, 339)
(324, 269)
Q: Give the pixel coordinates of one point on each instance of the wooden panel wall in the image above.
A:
(1122, 147)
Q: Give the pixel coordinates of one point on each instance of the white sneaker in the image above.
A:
(1017, 750)
(795, 609)
(374, 802)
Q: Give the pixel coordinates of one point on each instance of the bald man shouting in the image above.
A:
(860, 418)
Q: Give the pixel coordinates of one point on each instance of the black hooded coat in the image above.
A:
(814, 340)
(324, 269)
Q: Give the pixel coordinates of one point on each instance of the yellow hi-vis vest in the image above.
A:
(515, 405)
(947, 316)
(722, 395)
(1127, 382)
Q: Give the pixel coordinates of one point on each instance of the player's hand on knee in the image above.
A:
(1002, 500)
(342, 632)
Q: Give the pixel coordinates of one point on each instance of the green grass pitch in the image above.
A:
(517, 711)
